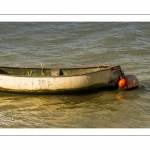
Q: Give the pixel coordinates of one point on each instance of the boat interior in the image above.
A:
(47, 72)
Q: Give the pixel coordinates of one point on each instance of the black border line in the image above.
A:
(78, 14)
(74, 135)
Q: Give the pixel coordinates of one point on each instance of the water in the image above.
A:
(63, 44)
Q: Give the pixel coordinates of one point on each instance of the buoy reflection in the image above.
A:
(120, 96)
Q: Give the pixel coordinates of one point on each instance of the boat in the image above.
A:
(84, 79)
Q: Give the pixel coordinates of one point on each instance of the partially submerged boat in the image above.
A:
(59, 80)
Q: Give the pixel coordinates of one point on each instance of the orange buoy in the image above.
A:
(128, 82)
(122, 82)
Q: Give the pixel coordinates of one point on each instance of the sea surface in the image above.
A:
(63, 44)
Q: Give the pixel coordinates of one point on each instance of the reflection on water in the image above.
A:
(127, 95)
(103, 109)
(75, 44)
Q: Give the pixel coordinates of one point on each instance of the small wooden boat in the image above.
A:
(59, 80)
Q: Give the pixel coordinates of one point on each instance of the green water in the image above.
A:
(75, 44)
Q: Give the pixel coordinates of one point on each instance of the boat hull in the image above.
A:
(84, 83)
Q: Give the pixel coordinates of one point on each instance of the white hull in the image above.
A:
(60, 83)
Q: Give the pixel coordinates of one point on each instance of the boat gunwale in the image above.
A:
(106, 67)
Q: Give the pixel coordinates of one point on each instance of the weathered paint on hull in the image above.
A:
(105, 79)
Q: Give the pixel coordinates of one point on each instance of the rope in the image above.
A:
(42, 66)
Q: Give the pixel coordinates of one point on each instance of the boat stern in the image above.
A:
(115, 72)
